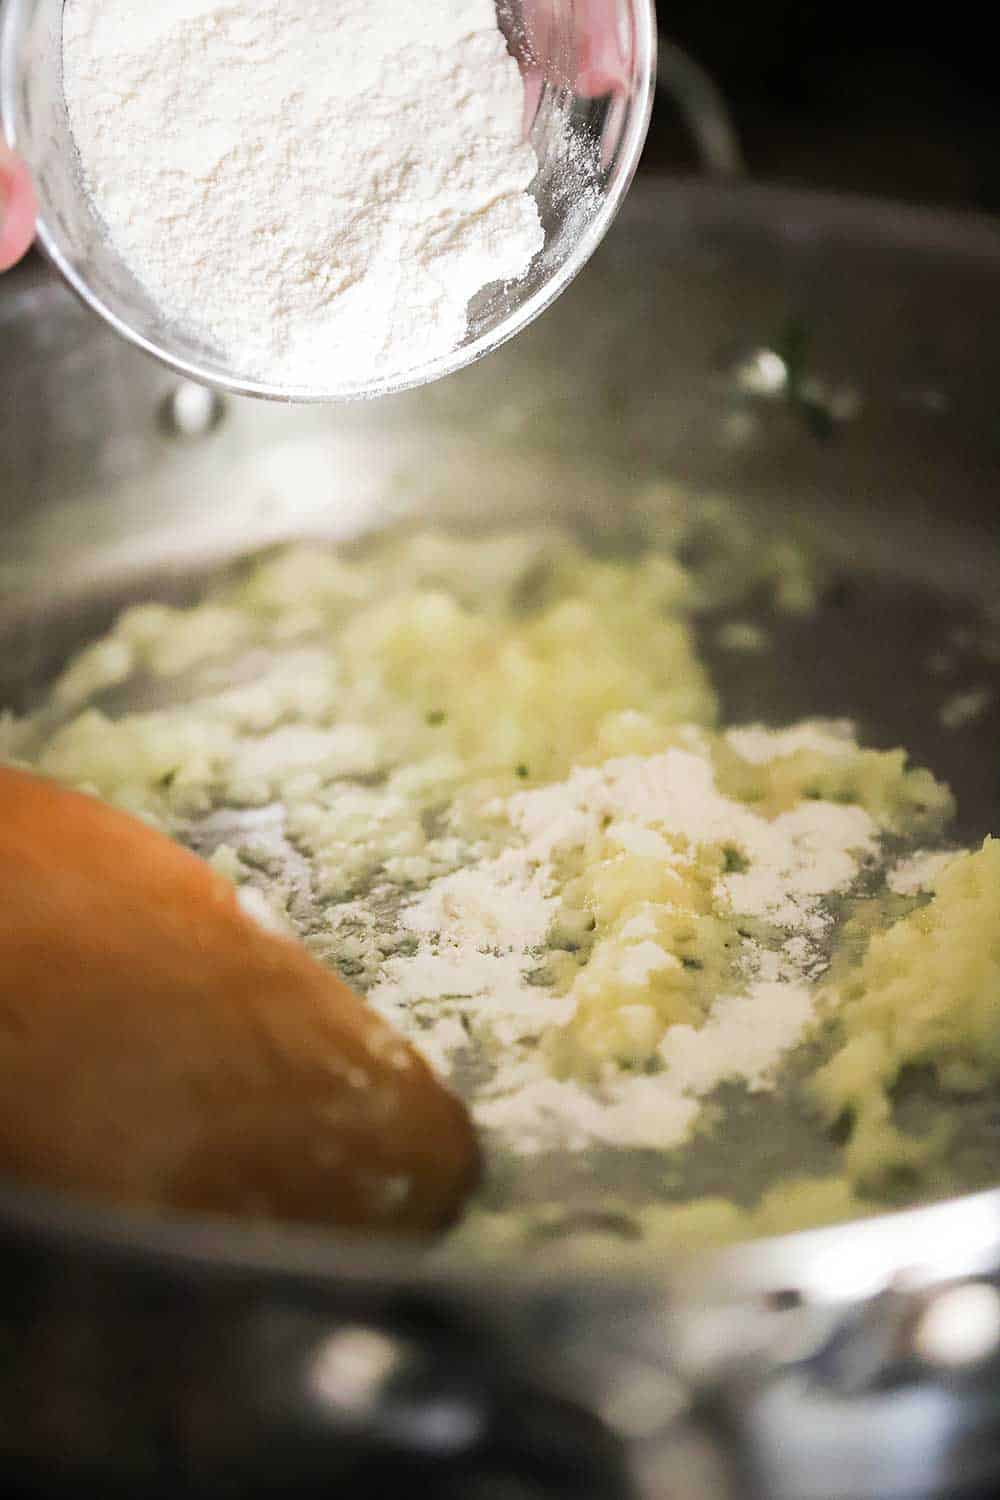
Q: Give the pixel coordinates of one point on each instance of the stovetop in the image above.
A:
(847, 99)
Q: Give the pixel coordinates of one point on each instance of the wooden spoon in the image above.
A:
(159, 1048)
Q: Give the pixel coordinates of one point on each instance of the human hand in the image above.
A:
(17, 208)
(601, 64)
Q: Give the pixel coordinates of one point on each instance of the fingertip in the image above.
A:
(18, 211)
(532, 94)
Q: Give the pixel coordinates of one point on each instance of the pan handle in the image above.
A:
(703, 108)
(193, 1379)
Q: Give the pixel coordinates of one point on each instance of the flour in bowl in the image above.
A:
(315, 188)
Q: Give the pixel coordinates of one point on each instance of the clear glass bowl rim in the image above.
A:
(12, 16)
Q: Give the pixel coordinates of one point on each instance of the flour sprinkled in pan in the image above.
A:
(449, 769)
(617, 1043)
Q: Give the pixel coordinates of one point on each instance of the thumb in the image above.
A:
(17, 208)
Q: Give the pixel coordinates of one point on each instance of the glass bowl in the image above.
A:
(588, 109)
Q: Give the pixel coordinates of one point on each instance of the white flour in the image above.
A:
(315, 187)
(919, 873)
(758, 746)
(478, 935)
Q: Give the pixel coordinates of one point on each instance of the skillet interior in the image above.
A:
(880, 448)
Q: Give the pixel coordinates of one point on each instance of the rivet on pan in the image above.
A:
(960, 1326)
(351, 1368)
(191, 411)
(764, 372)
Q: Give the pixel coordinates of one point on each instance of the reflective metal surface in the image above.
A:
(829, 363)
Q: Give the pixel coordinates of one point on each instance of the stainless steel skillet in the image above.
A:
(828, 362)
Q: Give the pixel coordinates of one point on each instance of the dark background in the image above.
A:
(872, 98)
